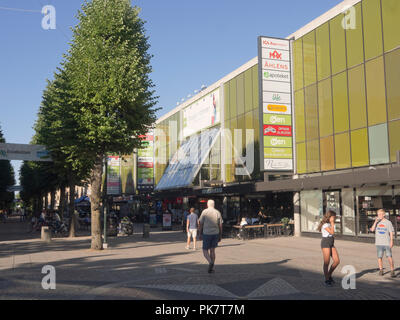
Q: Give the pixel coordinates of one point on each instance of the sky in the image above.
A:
(193, 43)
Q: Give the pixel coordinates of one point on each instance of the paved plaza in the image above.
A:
(161, 268)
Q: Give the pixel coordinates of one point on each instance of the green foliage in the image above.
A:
(7, 179)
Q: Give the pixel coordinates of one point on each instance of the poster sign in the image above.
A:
(276, 141)
(167, 220)
(25, 152)
(202, 114)
(113, 175)
(146, 163)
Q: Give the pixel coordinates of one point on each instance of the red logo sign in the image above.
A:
(145, 164)
(270, 130)
(275, 55)
(267, 43)
(277, 66)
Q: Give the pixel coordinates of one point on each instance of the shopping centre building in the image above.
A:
(331, 142)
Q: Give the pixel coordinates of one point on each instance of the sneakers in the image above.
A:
(331, 280)
(381, 272)
(392, 274)
(194, 249)
(328, 283)
(211, 268)
(187, 248)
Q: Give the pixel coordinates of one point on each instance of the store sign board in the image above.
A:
(25, 152)
(202, 113)
(275, 79)
(145, 167)
(113, 175)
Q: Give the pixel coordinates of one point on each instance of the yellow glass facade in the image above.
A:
(357, 89)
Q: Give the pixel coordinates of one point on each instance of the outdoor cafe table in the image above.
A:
(267, 229)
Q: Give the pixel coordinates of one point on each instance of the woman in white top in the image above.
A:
(327, 227)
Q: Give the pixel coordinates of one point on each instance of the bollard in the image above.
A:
(46, 234)
(146, 230)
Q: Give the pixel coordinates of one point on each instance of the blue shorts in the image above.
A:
(380, 250)
(210, 241)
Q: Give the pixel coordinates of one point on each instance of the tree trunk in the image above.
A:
(61, 206)
(52, 199)
(95, 197)
(72, 217)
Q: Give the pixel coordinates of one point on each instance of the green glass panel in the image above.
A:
(391, 23)
(313, 161)
(255, 87)
(232, 98)
(392, 65)
(310, 67)
(325, 108)
(342, 150)
(256, 125)
(372, 28)
(301, 158)
(323, 51)
(249, 121)
(378, 144)
(376, 97)
(357, 100)
(359, 148)
(311, 112)
(299, 116)
(240, 94)
(248, 90)
(226, 101)
(394, 134)
(234, 124)
(340, 103)
(354, 38)
(242, 127)
(298, 64)
(327, 154)
(338, 44)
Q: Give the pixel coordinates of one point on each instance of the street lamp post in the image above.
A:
(105, 206)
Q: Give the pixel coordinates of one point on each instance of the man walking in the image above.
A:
(210, 230)
(383, 240)
(192, 225)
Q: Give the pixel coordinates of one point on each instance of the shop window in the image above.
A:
(301, 157)
(376, 97)
(338, 44)
(348, 214)
(359, 148)
(310, 71)
(395, 217)
(299, 114)
(327, 154)
(325, 108)
(340, 103)
(311, 112)
(240, 94)
(371, 10)
(342, 150)
(323, 51)
(354, 40)
(392, 65)
(311, 206)
(391, 23)
(357, 100)
(394, 134)
(255, 87)
(248, 91)
(313, 161)
(378, 144)
(298, 64)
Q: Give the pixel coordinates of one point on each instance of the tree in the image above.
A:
(108, 66)
(7, 179)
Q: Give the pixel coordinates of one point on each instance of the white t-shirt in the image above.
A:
(326, 234)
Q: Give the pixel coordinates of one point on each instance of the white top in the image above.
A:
(326, 234)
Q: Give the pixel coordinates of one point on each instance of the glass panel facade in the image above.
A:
(325, 108)
(372, 28)
(376, 97)
(248, 90)
(327, 154)
(299, 113)
(378, 144)
(323, 52)
(338, 44)
(311, 112)
(342, 151)
(348, 214)
(392, 64)
(313, 162)
(391, 23)
(394, 134)
(298, 64)
(359, 148)
(240, 94)
(310, 70)
(340, 103)
(354, 39)
(357, 99)
(301, 158)
(311, 206)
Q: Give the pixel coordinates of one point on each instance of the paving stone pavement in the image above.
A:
(161, 268)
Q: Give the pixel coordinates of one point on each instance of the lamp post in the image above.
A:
(105, 206)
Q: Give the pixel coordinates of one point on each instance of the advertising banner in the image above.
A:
(202, 114)
(25, 152)
(276, 141)
(145, 171)
(167, 220)
(113, 175)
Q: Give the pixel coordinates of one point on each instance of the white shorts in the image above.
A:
(193, 233)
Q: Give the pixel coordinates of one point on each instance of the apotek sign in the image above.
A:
(274, 61)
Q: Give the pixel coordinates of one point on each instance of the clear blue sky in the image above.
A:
(193, 43)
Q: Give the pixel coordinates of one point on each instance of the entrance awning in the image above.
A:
(187, 161)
